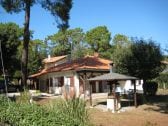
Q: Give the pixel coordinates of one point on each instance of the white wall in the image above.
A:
(126, 85)
(76, 84)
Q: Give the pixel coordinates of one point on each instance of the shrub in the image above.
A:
(162, 80)
(151, 88)
(70, 112)
(24, 97)
(21, 114)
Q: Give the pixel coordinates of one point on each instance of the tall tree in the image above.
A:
(59, 43)
(58, 8)
(99, 39)
(37, 51)
(10, 37)
(120, 41)
(142, 59)
(69, 41)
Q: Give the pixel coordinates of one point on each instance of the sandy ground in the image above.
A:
(144, 115)
(155, 113)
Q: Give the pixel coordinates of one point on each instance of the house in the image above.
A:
(61, 74)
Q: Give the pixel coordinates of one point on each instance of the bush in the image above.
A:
(21, 114)
(151, 88)
(24, 97)
(162, 80)
(71, 112)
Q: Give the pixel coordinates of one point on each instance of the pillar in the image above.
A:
(135, 95)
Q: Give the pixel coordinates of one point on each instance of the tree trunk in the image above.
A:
(26, 39)
(144, 87)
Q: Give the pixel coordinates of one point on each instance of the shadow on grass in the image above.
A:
(123, 103)
(160, 101)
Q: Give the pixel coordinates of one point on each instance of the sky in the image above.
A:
(146, 19)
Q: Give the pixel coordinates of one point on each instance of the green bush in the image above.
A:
(71, 112)
(24, 97)
(151, 88)
(162, 80)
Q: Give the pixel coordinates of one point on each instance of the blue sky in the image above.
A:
(135, 18)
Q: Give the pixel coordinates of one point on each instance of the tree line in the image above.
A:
(131, 56)
(127, 53)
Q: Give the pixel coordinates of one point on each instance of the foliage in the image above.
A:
(63, 113)
(10, 34)
(59, 9)
(162, 80)
(121, 41)
(99, 39)
(37, 52)
(142, 59)
(24, 97)
(22, 114)
(151, 88)
(72, 112)
(67, 42)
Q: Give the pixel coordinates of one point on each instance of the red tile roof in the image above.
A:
(88, 62)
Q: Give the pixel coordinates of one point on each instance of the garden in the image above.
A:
(60, 112)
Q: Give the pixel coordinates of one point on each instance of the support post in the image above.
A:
(114, 87)
(84, 85)
(135, 95)
(90, 94)
(49, 85)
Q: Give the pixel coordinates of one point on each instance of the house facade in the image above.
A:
(61, 75)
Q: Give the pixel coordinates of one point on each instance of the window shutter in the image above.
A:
(72, 81)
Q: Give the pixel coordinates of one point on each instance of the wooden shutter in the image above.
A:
(72, 81)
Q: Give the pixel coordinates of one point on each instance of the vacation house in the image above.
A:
(62, 72)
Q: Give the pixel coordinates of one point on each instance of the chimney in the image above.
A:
(96, 54)
(69, 58)
(111, 67)
(49, 57)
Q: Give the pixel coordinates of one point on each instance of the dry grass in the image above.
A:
(136, 117)
(154, 113)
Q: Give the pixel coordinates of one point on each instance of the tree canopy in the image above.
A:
(66, 42)
(142, 59)
(59, 9)
(99, 39)
(120, 41)
(10, 37)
